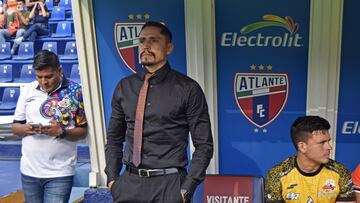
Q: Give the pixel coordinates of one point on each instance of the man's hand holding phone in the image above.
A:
(54, 129)
(35, 125)
(33, 128)
(38, 128)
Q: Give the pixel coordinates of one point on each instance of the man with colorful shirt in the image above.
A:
(310, 176)
(356, 180)
(50, 117)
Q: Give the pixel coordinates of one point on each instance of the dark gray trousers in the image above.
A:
(131, 188)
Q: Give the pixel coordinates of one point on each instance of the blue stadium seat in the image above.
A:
(63, 29)
(69, 15)
(26, 51)
(75, 73)
(5, 50)
(57, 14)
(70, 51)
(52, 27)
(9, 98)
(6, 73)
(66, 4)
(27, 74)
(49, 4)
(50, 46)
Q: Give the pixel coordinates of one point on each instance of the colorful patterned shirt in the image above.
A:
(65, 105)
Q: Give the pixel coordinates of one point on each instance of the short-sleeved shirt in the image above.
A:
(285, 182)
(46, 156)
(25, 14)
(356, 179)
(8, 19)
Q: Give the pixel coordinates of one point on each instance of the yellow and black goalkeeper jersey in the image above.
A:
(285, 182)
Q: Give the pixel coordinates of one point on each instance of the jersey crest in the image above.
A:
(329, 186)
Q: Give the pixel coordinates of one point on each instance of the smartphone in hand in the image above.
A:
(35, 125)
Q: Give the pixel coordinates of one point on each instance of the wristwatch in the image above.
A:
(63, 134)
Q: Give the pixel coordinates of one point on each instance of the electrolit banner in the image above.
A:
(348, 124)
(118, 25)
(262, 56)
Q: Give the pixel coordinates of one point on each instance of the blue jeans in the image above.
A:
(20, 32)
(35, 30)
(46, 190)
(4, 34)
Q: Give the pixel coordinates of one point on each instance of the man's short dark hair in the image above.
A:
(303, 126)
(163, 29)
(45, 59)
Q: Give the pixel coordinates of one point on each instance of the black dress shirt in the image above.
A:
(175, 105)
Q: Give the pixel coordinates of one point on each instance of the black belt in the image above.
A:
(151, 172)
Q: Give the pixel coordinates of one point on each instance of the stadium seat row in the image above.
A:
(26, 50)
(63, 3)
(27, 74)
(58, 13)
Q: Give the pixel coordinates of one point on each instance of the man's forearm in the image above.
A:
(75, 133)
(19, 129)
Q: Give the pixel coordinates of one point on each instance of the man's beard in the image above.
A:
(146, 63)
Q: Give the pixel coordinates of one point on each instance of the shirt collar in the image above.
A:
(159, 74)
(305, 173)
(64, 84)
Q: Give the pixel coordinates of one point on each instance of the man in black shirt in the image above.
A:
(175, 105)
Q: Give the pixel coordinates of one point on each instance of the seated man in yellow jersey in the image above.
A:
(310, 176)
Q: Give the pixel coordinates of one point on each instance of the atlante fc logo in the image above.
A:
(261, 96)
(126, 41)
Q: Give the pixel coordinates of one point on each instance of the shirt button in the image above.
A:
(148, 104)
